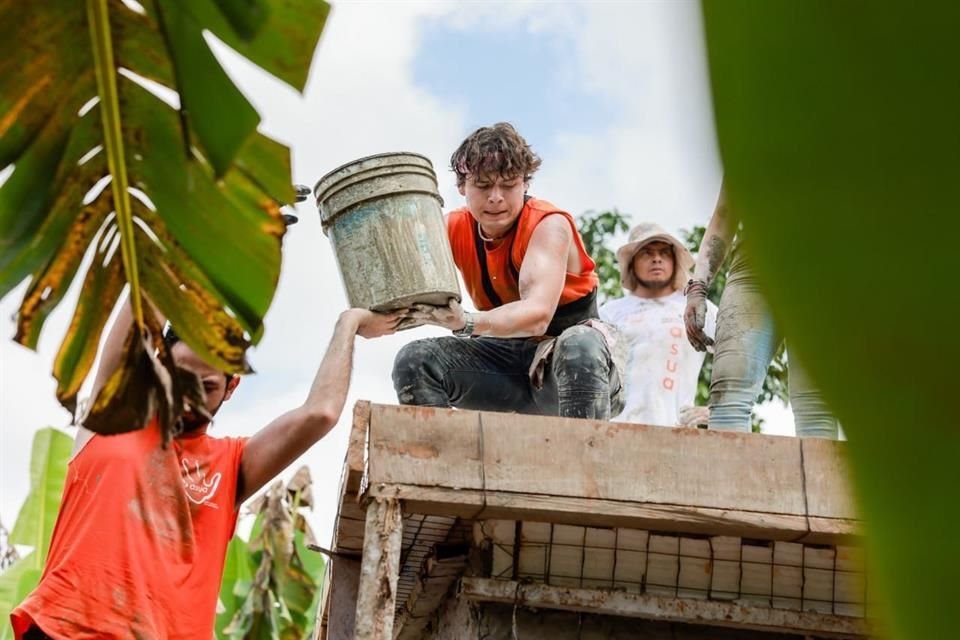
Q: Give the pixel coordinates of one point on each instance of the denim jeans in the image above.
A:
(746, 342)
(492, 374)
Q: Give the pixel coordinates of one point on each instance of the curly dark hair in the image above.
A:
(497, 149)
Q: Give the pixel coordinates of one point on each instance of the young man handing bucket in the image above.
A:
(140, 540)
(536, 345)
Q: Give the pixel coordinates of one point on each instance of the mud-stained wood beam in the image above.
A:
(619, 603)
(501, 505)
(379, 570)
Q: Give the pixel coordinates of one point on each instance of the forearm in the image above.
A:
(520, 319)
(328, 393)
(112, 352)
(716, 242)
(287, 437)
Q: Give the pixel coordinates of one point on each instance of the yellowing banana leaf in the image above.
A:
(181, 204)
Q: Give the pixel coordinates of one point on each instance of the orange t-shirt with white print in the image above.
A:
(139, 544)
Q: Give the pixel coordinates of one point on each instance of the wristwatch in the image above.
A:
(469, 323)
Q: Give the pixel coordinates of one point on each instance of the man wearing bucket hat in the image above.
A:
(536, 345)
(660, 376)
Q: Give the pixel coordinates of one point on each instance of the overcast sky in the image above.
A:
(614, 97)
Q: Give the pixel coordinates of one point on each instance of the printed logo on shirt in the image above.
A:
(676, 334)
(199, 488)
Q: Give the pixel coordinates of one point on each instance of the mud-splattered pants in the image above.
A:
(492, 374)
(745, 344)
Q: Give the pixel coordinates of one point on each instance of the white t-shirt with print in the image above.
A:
(662, 368)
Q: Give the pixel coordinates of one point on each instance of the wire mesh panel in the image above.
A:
(780, 575)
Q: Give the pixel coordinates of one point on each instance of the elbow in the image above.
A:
(320, 420)
(540, 322)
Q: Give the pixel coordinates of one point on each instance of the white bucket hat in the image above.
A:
(642, 235)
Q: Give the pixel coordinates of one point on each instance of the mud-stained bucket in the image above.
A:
(383, 216)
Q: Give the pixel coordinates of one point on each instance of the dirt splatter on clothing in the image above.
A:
(139, 544)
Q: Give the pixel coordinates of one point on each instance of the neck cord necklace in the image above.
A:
(485, 238)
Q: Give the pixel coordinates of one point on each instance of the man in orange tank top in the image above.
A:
(139, 544)
(536, 344)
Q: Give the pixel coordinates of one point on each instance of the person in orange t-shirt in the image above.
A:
(536, 345)
(140, 540)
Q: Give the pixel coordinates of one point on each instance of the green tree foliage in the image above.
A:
(841, 154)
(179, 204)
(597, 228)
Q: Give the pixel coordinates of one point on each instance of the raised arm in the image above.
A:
(542, 275)
(713, 251)
(277, 445)
(112, 352)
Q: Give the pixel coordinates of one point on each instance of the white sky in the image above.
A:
(647, 148)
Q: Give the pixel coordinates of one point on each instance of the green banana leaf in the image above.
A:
(237, 576)
(180, 203)
(34, 526)
(839, 128)
(276, 595)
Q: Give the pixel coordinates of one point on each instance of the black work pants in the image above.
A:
(492, 374)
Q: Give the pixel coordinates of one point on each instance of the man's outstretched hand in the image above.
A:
(449, 317)
(370, 324)
(695, 315)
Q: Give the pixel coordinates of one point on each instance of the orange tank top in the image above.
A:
(504, 262)
(139, 544)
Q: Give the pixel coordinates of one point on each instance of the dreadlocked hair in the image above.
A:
(498, 149)
(171, 338)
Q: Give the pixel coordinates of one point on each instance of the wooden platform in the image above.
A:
(448, 469)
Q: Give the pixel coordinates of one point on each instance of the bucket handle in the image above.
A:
(302, 192)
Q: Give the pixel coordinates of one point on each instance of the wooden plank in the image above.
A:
(787, 575)
(632, 539)
(630, 570)
(757, 573)
(618, 603)
(831, 531)
(472, 504)
(637, 463)
(612, 461)
(826, 479)
(424, 446)
(663, 564)
(850, 584)
(696, 568)
(379, 569)
(344, 583)
(347, 538)
(357, 444)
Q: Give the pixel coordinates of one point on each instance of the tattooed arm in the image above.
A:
(713, 250)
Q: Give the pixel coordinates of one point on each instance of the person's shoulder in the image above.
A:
(616, 308)
(544, 205)
(677, 298)
(219, 443)
(616, 303)
(456, 216)
(459, 222)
